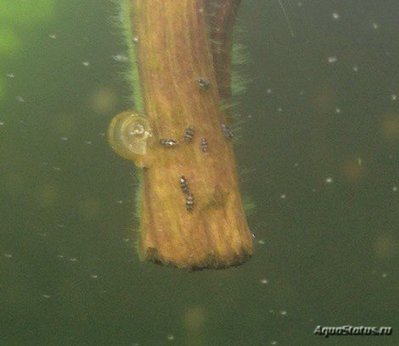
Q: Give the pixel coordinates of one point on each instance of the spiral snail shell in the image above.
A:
(129, 135)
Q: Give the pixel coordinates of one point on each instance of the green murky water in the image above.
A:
(319, 155)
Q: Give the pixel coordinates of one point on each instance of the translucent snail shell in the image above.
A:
(129, 135)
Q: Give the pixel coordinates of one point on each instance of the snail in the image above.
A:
(129, 135)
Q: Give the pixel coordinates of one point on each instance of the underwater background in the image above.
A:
(318, 154)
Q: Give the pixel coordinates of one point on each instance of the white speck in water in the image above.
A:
(332, 59)
(268, 91)
(329, 180)
(201, 10)
(86, 63)
(102, 134)
(261, 242)
(94, 276)
(337, 110)
(60, 256)
(10, 75)
(64, 138)
(264, 281)
(394, 97)
(273, 342)
(296, 164)
(52, 36)
(1, 123)
(119, 202)
(283, 196)
(359, 161)
(300, 4)
(135, 39)
(20, 98)
(375, 26)
(394, 188)
(170, 337)
(355, 68)
(335, 15)
(8, 255)
(126, 240)
(47, 296)
(73, 259)
(283, 313)
(120, 58)
(384, 275)
(279, 109)
(57, 168)
(88, 142)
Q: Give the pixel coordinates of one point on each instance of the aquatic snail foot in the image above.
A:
(130, 136)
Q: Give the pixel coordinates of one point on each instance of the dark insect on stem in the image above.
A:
(184, 185)
(203, 83)
(189, 202)
(204, 145)
(168, 143)
(227, 133)
(188, 134)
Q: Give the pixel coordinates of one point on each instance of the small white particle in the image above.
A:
(119, 202)
(135, 39)
(126, 240)
(10, 75)
(102, 134)
(47, 296)
(261, 242)
(1, 123)
(355, 68)
(120, 58)
(86, 63)
(273, 342)
(329, 180)
(283, 196)
(279, 109)
(283, 312)
(384, 275)
(201, 10)
(264, 281)
(170, 337)
(8, 255)
(52, 36)
(94, 276)
(73, 259)
(60, 256)
(88, 142)
(359, 161)
(300, 3)
(335, 15)
(268, 91)
(64, 138)
(337, 110)
(20, 99)
(394, 188)
(332, 59)
(57, 169)
(375, 26)
(394, 97)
